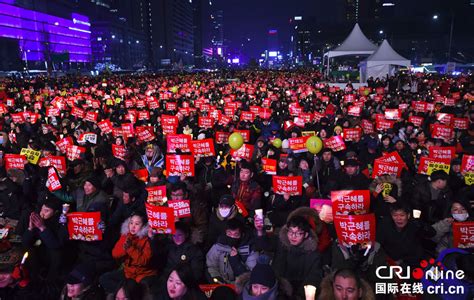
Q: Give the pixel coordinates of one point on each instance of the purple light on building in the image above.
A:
(39, 34)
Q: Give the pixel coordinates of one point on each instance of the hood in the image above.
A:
(242, 285)
(309, 244)
(387, 179)
(141, 234)
(311, 215)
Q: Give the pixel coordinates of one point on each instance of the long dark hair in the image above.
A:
(185, 274)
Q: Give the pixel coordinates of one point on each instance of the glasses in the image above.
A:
(296, 234)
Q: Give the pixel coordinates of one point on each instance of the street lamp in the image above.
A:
(435, 17)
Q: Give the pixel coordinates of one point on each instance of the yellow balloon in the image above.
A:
(236, 141)
(314, 144)
(277, 143)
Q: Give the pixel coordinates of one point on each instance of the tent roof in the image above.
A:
(355, 43)
(385, 53)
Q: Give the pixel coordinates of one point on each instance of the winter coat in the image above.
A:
(392, 187)
(444, 235)
(185, 253)
(249, 193)
(300, 265)
(217, 224)
(342, 259)
(432, 210)
(280, 291)
(137, 257)
(11, 199)
(326, 291)
(220, 264)
(395, 242)
(343, 181)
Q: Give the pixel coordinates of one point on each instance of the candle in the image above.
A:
(25, 256)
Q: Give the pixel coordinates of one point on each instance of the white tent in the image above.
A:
(382, 62)
(355, 44)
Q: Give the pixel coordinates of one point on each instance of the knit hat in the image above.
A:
(81, 274)
(352, 163)
(438, 175)
(263, 274)
(95, 181)
(227, 200)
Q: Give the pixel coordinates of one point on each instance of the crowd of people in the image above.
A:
(107, 145)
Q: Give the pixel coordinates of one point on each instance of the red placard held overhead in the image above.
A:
(442, 152)
(182, 208)
(298, 144)
(203, 148)
(245, 152)
(335, 143)
(156, 194)
(463, 234)
(346, 201)
(84, 226)
(177, 165)
(355, 229)
(161, 218)
(15, 161)
(292, 185)
(178, 141)
(269, 166)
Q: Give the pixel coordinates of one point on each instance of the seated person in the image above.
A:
(395, 233)
(262, 283)
(232, 255)
(345, 284)
(296, 258)
(134, 249)
(459, 212)
(45, 256)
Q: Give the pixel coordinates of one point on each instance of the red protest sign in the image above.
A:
(63, 143)
(105, 126)
(203, 148)
(463, 234)
(354, 110)
(143, 115)
(245, 134)
(171, 106)
(355, 229)
(419, 106)
(367, 126)
(78, 112)
(74, 152)
(161, 218)
(58, 162)
(52, 183)
(393, 114)
(53, 112)
(119, 151)
(91, 116)
(222, 137)
(18, 118)
(127, 130)
(205, 122)
(245, 152)
(442, 152)
(182, 208)
(428, 165)
(444, 118)
(467, 164)
(346, 201)
(156, 194)
(269, 166)
(145, 134)
(169, 120)
(349, 98)
(335, 143)
(15, 161)
(461, 123)
(224, 120)
(417, 121)
(392, 157)
(84, 226)
(352, 134)
(169, 129)
(141, 174)
(440, 131)
(298, 144)
(382, 168)
(247, 116)
(177, 165)
(384, 124)
(178, 141)
(292, 185)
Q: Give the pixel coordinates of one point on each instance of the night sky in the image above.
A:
(252, 19)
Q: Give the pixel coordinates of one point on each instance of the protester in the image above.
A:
(181, 285)
(344, 284)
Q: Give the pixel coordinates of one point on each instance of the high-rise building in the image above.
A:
(217, 38)
(362, 10)
(32, 36)
(197, 32)
(172, 32)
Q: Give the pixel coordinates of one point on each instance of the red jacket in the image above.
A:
(136, 258)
